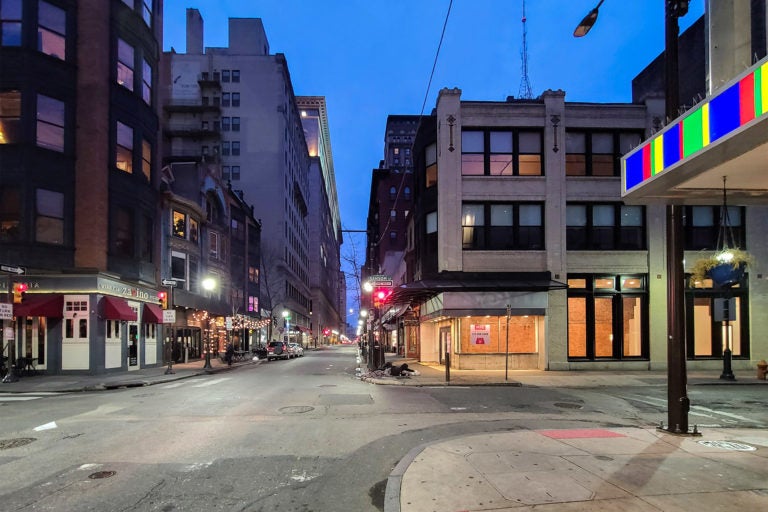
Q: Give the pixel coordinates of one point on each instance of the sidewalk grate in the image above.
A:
(7, 444)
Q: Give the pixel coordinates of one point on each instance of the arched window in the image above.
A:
(392, 192)
(407, 192)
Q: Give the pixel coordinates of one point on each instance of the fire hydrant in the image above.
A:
(762, 369)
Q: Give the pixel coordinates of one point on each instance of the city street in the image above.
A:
(297, 435)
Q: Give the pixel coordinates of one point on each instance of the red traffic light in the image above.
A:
(326, 331)
(18, 292)
(380, 295)
(163, 298)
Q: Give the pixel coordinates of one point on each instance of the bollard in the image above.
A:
(762, 368)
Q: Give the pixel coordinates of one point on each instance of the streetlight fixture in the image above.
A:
(287, 319)
(678, 402)
(208, 284)
(589, 20)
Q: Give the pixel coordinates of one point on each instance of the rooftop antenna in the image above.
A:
(525, 84)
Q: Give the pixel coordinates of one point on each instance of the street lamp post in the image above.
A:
(208, 285)
(678, 402)
(287, 318)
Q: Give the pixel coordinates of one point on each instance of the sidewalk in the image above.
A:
(144, 377)
(593, 469)
(614, 469)
(435, 375)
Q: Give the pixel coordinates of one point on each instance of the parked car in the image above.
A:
(278, 350)
(298, 350)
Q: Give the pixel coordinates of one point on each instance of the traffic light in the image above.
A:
(163, 297)
(326, 331)
(18, 292)
(380, 295)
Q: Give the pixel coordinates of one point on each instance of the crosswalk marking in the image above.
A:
(195, 383)
(22, 397)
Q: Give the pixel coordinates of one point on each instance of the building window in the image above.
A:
(393, 214)
(147, 248)
(253, 274)
(179, 224)
(213, 245)
(235, 172)
(10, 22)
(497, 226)
(392, 236)
(407, 192)
(225, 151)
(193, 230)
(607, 317)
(146, 12)
(225, 99)
(124, 160)
(235, 147)
(123, 232)
(705, 333)
(49, 221)
(50, 123)
(225, 75)
(225, 124)
(702, 227)
(10, 213)
(225, 172)
(431, 223)
(392, 193)
(235, 75)
(179, 266)
(501, 153)
(592, 153)
(52, 30)
(235, 99)
(125, 64)
(235, 124)
(10, 117)
(253, 303)
(605, 227)
(146, 82)
(237, 229)
(146, 159)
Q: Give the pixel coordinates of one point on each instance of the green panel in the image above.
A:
(693, 138)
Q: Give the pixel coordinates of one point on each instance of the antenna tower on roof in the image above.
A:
(525, 84)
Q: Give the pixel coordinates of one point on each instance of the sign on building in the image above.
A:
(480, 334)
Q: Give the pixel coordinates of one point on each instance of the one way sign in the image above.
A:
(12, 269)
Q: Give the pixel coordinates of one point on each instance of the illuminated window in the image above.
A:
(125, 64)
(512, 152)
(10, 117)
(10, 213)
(146, 159)
(502, 226)
(124, 160)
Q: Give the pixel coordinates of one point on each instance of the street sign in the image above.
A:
(6, 311)
(228, 323)
(169, 316)
(168, 282)
(12, 269)
(380, 280)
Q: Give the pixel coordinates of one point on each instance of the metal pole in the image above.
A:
(10, 375)
(169, 370)
(678, 402)
(506, 358)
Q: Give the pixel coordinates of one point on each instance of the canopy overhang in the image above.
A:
(115, 308)
(50, 305)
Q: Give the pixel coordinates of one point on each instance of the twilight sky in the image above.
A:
(373, 58)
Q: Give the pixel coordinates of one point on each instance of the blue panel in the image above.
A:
(671, 145)
(724, 113)
(634, 170)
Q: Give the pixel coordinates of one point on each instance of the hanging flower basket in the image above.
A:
(725, 268)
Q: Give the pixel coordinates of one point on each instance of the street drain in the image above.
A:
(101, 474)
(296, 409)
(566, 405)
(7, 444)
(729, 445)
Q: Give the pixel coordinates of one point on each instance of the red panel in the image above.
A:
(152, 314)
(116, 308)
(48, 305)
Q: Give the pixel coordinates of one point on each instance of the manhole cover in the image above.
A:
(566, 405)
(296, 409)
(729, 445)
(7, 444)
(102, 474)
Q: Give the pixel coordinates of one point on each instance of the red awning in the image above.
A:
(117, 309)
(303, 329)
(46, 304)
(152, 314)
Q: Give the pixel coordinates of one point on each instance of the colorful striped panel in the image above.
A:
(720, 115)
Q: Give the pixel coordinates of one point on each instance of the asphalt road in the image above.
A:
(300, 435)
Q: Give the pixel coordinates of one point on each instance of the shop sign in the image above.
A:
(480, 334)
(169, 316)
(6, 311)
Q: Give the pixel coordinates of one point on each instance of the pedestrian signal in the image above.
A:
(18, 292)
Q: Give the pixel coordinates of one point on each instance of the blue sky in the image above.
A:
(373, 58)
